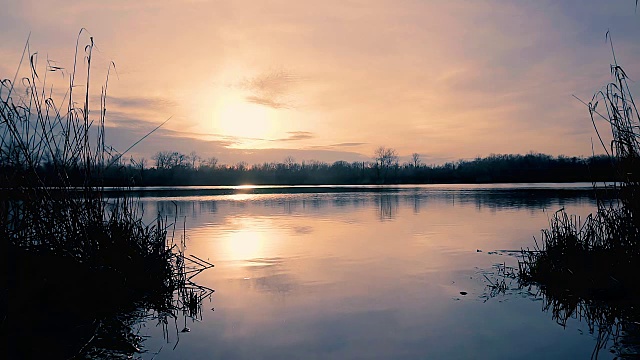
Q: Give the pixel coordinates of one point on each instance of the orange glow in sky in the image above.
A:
(258, 81)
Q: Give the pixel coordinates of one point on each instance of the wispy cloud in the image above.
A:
(269, 102)
(121, 122)
(297, 135)
(348, 144)
(155, 103)
(338, 145)
(220, 147)
(272, 83)
(273, 88)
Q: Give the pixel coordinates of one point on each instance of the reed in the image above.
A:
(82, 270)
(606, 244)
(587, 268)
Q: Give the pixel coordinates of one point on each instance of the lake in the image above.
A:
(367, 272)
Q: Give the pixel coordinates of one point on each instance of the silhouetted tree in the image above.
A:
(194, 158)
(210, 162)
(415, 159)
(385, 159)
(241, 166)
(174, 168)
(289, 162)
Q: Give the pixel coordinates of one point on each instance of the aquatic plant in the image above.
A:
(81, 270)
(588, 268)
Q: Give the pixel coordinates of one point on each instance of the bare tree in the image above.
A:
(386, 157)
(162, 159)
(138, 164)
(289, 162)
(194, 158)
(170, 160)
(211, 162)
(415, 158)
(242, 166)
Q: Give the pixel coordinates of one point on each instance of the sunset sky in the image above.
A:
(257, 81)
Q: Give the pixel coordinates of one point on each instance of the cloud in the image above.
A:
(338, 145)
(155, 103)
(122, 131)
(273, 88)
(297, 135)
(348, 144)
(273, 83)
(124, 122)
(267, 102)
(221, 148)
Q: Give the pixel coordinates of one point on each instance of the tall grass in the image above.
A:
(81, 270)
(588, 268)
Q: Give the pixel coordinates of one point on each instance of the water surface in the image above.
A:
(367, 273)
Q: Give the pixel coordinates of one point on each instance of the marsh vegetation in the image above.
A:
(81, 271)
(587, 267)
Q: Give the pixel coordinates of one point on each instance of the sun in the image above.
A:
(234, 116)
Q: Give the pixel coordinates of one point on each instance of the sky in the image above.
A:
(258, 81)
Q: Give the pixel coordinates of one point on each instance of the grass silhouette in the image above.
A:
(81, 270)
(588, 268)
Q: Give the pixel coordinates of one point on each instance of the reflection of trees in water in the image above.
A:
(289, 207)
(525, 199)
(210, 207)
(175, 208)
(316, 203)
(387, 206)
(387, 203)
(191, 209)
(415, 199)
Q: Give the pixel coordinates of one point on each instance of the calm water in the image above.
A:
(368, 273)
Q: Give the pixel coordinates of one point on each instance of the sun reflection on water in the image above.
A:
(242, 240)
(243, 245)
(240, 197)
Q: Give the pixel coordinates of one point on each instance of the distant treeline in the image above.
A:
(173, 168)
